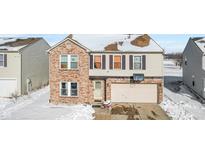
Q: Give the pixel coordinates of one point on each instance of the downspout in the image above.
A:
(21, 74)
(105, 90)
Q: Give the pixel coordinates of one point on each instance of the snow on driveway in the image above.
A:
(36, 107)
(179, 103)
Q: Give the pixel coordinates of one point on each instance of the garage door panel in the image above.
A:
(9, 87)
(134, 93)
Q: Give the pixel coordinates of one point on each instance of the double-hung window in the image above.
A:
(137, 60)
(74, 89)
(1, 60)
(68, 89)
(97, 62)
(69, 61)
(64, 61)
(74, 62)
(117, 62)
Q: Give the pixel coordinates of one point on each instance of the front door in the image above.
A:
(98, 90)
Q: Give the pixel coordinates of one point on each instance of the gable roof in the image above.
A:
(200, 42)
(117, 42)
(15, 44)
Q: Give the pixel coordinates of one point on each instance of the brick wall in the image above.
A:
(81, 76)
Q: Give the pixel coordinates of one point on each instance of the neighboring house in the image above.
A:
(23, 65)
(97, 68)
(194, 65)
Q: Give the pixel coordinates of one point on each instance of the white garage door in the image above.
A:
(134, 93)
(7, 87)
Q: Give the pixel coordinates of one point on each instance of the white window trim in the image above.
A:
(3, 60)
(134, 62)
(114, 62)
(94, 62)
(69, 89)
(69, 61)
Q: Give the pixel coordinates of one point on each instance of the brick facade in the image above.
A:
(81, 75)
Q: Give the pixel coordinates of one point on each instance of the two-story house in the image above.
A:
(97, 68)
(23, 65)
(194, 65)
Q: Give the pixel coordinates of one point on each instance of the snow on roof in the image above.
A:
(200, 42)
(99, 42)
(15, 44)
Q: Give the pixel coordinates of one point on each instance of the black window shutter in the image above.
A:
(144, 62)
(131, 62)
(5, 60)
(103, 62)
(91, 61)
(111, 62)
(123, 62)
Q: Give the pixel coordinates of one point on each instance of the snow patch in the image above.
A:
(97, 42)
(78, 112)
(36, 106)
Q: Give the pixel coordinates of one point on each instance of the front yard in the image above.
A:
(36, 107)
(134, 111)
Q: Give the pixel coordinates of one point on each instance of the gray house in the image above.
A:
(194, 65)
(23, 65)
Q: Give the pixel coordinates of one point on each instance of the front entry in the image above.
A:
(98, 90)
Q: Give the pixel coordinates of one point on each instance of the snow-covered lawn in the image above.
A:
(179, 102)
(36, 106)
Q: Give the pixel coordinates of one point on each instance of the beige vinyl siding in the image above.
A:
(154, 66)
(13, 69)
(35, 65)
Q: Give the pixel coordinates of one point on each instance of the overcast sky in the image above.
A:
(169, 42)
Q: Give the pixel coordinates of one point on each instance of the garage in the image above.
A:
(7, 87)
(134, 93)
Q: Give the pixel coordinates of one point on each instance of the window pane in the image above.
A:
(63, 85)
(97, 62)
(1, 57)
(74, 58)
(64, 59)
(137, 59)
(1, 63)
(64, 92)
(74, 65)
(137, 66)
(117, 62)
(74, 92)
(64, 65)
(73, 86)
(117, 58)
